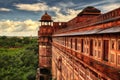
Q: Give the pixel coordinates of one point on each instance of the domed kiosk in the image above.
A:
(46, 19)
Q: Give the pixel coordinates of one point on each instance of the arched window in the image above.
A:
(99, 43)
(71, 43)
(118, 60)
(105, 50)
(118, 44)
(75, 44)
(91, 47)
(82, 45)
(112, 44)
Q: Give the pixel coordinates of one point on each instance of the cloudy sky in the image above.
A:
(20, 17)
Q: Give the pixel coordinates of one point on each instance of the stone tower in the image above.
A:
(45, 51)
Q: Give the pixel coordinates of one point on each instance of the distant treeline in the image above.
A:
(15, 42)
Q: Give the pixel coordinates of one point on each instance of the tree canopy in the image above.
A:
(21, 62)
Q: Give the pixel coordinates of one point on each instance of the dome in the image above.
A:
(90, 10)
(46, 17)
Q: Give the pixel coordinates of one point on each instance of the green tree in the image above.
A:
(20, 66)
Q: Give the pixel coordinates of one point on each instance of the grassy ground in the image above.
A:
(10, 51)
(13, 51)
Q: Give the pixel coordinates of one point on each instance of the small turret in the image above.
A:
(46, 19)
(45, 49)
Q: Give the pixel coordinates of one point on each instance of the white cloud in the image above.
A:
(55, 9)
(108, 7)
(32, 7)
(29, 27)
(70, 14)
(12, 27)
(64, 5)
(36, 7)
(5, 9)
(103, 5)
(59, 16)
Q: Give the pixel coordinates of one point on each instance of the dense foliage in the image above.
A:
(18, 58)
